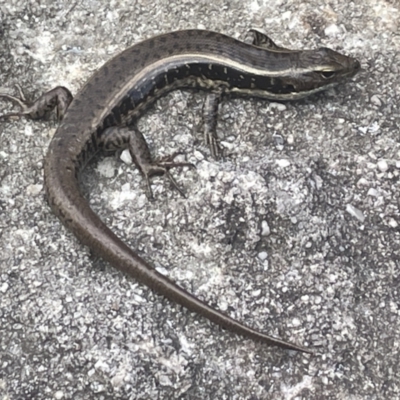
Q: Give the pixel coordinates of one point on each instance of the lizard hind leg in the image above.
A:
(58, 98)
(141, 155)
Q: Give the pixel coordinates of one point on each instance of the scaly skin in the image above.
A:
(101, 117)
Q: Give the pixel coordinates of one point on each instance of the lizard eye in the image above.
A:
(327, 74)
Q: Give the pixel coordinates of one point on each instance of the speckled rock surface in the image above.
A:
(295, 232)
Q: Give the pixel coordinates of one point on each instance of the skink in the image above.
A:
(102, 117)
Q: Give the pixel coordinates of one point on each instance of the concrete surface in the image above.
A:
(295, 232)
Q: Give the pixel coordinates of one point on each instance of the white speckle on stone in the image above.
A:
(296, 322)
(118, 379)
(227, 177)
(101, 365)
(332, 278)
(372, 192)
(265, 229)
(362, 182)
(162, 270)
(199, 156)
(332, 30)
(106, 168)
(59, 395)
(290, 139)
(223, 305)
(138, 299)
(355, 212)
(278, 106)
(34, 190)
(283, 163)
(382, 165)
(28, 130)
(262, 255)
(186, 346)
(126, 194)
(24, 234)
(363, 129)
(4, 287)
(392, 223)
(164, 380)
(227, 146)
(126, 157)
(374, 128)
(376, 100)
(254, 6)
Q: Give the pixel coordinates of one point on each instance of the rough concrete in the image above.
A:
(295, 232)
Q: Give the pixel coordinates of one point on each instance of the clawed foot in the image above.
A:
(19, 101)
(162, 167)
(212, 142)
(139, 151)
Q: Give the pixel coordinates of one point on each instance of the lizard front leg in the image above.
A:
(210, 115)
